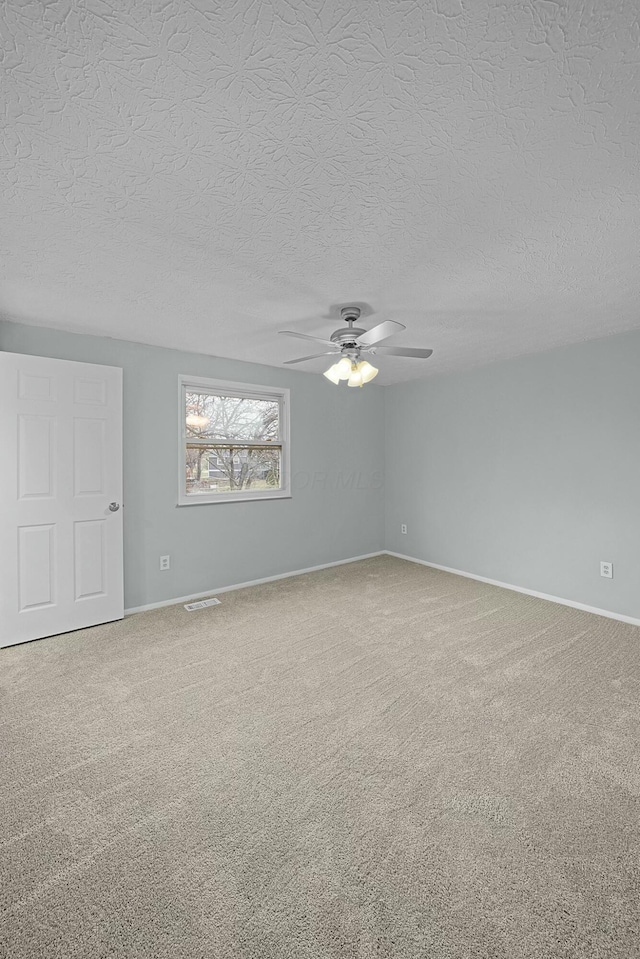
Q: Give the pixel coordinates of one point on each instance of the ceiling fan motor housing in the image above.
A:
(348, 337)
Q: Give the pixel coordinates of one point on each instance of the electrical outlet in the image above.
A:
(606, 569)
(403, 528)
(165, 562)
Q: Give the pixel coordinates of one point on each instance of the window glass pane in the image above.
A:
(223, 469)
(214, 417)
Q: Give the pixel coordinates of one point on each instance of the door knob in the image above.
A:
(114, 507)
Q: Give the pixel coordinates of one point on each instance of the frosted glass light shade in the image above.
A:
(367, 371)
(333, 374)
(356, 378)
(344, 367)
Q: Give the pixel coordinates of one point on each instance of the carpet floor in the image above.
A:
(373, 760)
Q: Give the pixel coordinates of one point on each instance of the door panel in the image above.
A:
(36, 557)
(61, 546)
(33, 387)
(35, 456)
(89, 392)
(89, 558)
(88, 456)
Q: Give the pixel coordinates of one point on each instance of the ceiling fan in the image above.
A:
(351, 343)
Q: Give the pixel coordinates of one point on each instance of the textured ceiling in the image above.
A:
(201, 174)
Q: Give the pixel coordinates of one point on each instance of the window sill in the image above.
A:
(204, 500)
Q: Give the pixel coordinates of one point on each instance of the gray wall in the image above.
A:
(336, 458)
(526, 471)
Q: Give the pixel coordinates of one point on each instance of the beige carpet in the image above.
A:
(376, 760)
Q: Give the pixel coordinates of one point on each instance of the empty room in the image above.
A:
(320, 479)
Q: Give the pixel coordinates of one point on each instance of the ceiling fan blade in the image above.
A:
(305, 336)
(402, 351)
(380, 332)
(314, 356)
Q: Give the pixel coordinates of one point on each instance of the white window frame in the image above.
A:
(248, 391)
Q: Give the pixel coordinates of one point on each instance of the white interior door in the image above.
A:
(61, 565)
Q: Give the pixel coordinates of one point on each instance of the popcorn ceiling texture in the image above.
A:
(200, 175)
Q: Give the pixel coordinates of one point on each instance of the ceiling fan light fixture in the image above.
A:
(356, 374)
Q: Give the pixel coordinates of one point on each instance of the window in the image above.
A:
(234, 442)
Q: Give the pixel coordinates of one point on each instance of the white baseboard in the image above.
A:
(411, 559)
(254, 582)
(520, 589)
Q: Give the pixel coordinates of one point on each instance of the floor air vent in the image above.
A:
(202, 603)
